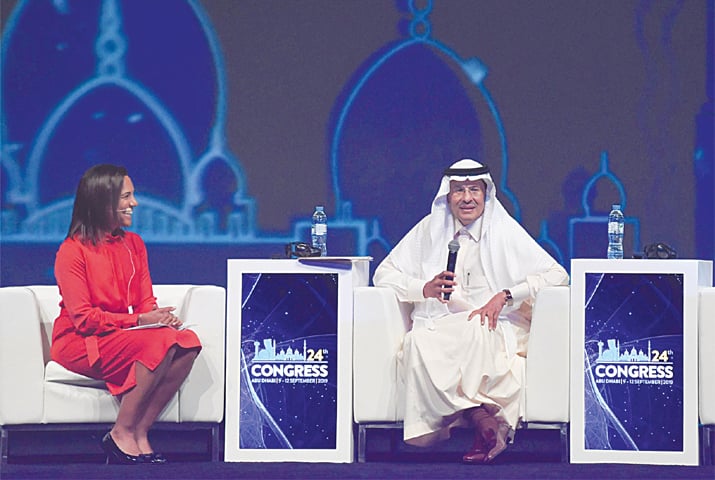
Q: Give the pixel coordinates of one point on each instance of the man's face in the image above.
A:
(466, 200)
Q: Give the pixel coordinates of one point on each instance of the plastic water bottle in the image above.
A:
(319, 230)
(615, 232)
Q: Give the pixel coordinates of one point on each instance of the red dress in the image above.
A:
(98, 284)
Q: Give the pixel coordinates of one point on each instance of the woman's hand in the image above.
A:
(436, 288)
(490, 312)
(163, 315)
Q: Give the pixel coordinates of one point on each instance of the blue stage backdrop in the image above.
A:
(236, 117)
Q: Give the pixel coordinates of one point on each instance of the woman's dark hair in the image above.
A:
(96, 202)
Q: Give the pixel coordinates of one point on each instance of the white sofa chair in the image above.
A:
(706, 372)
(37, 393)
(379, 324)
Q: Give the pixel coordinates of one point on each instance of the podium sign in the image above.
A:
(289, 351)
(634, 391)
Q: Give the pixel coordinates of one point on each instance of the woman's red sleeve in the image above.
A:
(73, 280)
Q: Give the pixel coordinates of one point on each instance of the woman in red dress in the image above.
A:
(103, 277)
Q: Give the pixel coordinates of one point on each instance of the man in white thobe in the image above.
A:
(462, 361)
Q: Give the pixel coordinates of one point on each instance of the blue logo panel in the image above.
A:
(633, 362)
(288, 379)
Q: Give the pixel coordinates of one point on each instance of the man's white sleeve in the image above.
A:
(408, 289)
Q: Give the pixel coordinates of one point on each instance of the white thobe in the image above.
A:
(449, 364)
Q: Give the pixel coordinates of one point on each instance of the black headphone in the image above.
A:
(300, 250)
(659, 250)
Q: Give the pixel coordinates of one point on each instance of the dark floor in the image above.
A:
(535, 454)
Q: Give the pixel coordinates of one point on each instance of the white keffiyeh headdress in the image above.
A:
(508, 253)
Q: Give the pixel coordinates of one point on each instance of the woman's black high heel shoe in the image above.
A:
(115, 455)
(156, 458)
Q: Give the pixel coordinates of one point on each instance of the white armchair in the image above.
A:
(37, 393)
(380, 321)
(706, 372)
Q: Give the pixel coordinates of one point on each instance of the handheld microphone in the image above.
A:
(453, 247)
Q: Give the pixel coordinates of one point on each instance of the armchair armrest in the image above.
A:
(706, 340)
(380, 322)
(547, 362)
(203, 309)
(21, 357)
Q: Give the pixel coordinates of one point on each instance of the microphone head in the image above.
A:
(453, 245)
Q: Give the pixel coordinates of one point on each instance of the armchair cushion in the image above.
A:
(54, 372)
